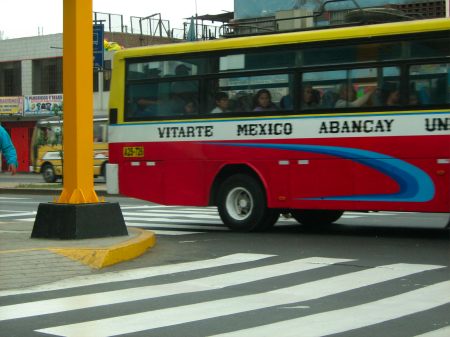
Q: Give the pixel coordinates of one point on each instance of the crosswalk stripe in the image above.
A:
(171, 215)
(188, 313)
(354, 317)
(147, 292)
(168, 232)
(178, 226)
(182, 211)
(171, 220)
(17, 214)
(140, 273)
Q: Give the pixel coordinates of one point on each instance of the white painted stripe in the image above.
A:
(172, 215)
(27, 219)
(171, 220)
(229, 306)
(17, 214)
(164, 207)
(140, 207)
(13, 198)
(135, 294)
(444, 332)
(183, 211)
(170, 225)
(140, 273)
(163, 232)
(341, 320)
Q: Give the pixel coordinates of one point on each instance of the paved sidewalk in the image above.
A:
(28, 262)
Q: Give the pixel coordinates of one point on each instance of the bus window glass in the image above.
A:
(429, 84)
(259, 60)
(270, 60)
(232, 62)
(341, 88)
(100, 131)
(324, 84)
(351, 54)
(49, 133)
(162, 99)
(438, 47)
(242, 91)
(388, 93)
(170, 68)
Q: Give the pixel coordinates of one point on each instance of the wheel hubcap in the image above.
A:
(239, 203)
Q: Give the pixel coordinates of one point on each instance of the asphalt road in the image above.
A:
(371, 274)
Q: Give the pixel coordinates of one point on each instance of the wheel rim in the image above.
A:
(48, 173)
(239, 203)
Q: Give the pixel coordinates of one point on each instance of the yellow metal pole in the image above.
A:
(78, 164)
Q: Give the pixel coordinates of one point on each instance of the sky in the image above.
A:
(22, 18)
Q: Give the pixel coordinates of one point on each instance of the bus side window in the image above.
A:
(429, 84)
(325, 85)
(242, 101)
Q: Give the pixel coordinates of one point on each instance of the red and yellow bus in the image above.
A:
(359, 119)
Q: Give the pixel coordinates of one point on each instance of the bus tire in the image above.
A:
(316, 217)
(48, 173)
(242, 204)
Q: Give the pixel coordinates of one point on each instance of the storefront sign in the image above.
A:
(43, 104)
(11, 105)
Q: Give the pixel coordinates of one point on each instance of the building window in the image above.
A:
(47, 76)
(10, 79)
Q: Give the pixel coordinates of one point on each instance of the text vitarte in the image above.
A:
(186, 131)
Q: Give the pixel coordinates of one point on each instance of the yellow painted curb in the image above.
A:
(102, 257)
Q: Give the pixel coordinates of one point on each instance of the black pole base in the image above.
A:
(78, 221)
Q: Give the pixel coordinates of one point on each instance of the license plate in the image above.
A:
(133, 151)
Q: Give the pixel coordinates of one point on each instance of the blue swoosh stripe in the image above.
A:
(415, 184)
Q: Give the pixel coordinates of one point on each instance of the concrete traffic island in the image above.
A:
(99, 257)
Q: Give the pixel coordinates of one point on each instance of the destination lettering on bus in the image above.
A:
(264, 129)
(357, 126)
(437, 124)
(186, 131)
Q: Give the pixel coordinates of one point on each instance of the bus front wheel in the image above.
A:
(316, 217)
(242, 204)
(48, 173)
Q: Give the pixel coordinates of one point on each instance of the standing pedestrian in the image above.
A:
(8, 150)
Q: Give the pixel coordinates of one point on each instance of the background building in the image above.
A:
(265, 16)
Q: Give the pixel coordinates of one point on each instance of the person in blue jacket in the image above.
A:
(8, 150)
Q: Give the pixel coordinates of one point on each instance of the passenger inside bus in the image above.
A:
(311, 98)
(390, 95)
(242, 101)
(263, 101)
(190, 108)
(348, 99)
(222, 103)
